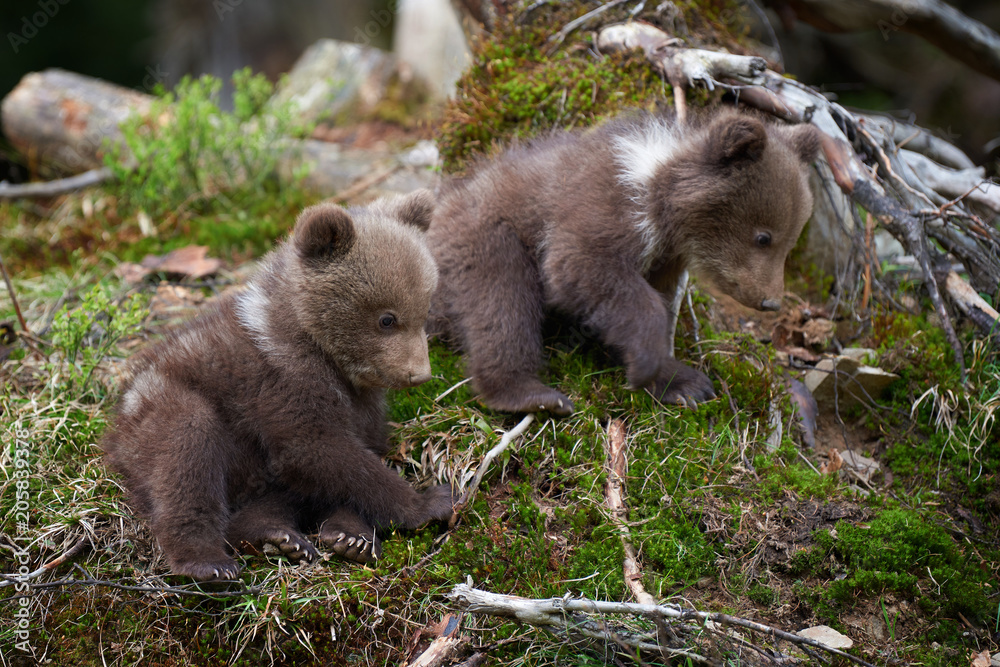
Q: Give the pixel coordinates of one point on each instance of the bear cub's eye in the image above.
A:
(763, 240)
(387, 321)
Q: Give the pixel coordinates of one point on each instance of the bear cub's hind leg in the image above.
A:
(271, 520)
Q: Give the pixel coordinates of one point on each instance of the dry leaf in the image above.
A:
(189, 261)
(834, 464)
(981, 659)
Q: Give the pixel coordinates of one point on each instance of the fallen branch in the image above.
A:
(973, 305)
(958, 183)
(71, 553)
(941, 24)
(445, 648)
(568, 614)
(54, 188)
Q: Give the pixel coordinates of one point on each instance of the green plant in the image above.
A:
(85, 335)
(187, 149)
(891, 625)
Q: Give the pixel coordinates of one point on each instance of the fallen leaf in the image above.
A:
(174, 300)
(860, 467)
(834, 464)
(981, 659)
(132, 272)
(189, 261)
(817, 332)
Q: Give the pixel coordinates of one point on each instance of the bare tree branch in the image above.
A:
(53, 188)
(961, 37)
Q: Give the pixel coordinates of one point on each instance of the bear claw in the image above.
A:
(355, 548)
(293, 546)
(225, 571)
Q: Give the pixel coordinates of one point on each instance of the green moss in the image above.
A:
(763, 595)
(901, 553)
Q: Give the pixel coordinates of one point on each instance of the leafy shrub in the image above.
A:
(87, 334)
(187, 149)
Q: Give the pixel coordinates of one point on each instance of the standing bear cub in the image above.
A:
(266, 415)
(599, 226)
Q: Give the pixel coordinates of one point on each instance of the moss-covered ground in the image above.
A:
(727, 512)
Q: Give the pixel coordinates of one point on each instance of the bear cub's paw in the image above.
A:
(220, 570)
(349, 536)
(358, 548)
(684, 386)
(439, 503)
(293, 545)
(538, 398)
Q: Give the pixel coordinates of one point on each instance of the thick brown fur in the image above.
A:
(265, 416)
(599, 226)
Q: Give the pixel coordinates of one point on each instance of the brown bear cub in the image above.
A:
(599, 226)
(266, 415)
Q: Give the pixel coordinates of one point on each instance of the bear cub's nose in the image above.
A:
(419, 378)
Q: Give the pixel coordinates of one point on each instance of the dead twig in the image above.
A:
(617, 466)
(505, 441)
(54, 188)
(364, 184)
(13, 297)
(565, 613)
(563, 33)
(71, 553)
(446, 647)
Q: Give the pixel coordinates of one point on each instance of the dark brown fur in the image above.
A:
(266, 415)
(599, 225)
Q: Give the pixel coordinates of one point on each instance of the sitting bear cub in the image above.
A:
(266, 415)
(600, 225)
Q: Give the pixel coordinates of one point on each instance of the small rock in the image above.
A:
(333, 77)
(843, 381)
(424, 154)
(995, 660)
(827, 636)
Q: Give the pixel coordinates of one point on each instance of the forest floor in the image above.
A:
(728, 509)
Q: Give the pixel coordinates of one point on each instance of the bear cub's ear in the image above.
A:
(805, 140)
(415, 209)
(736, 139)
(323, 231)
